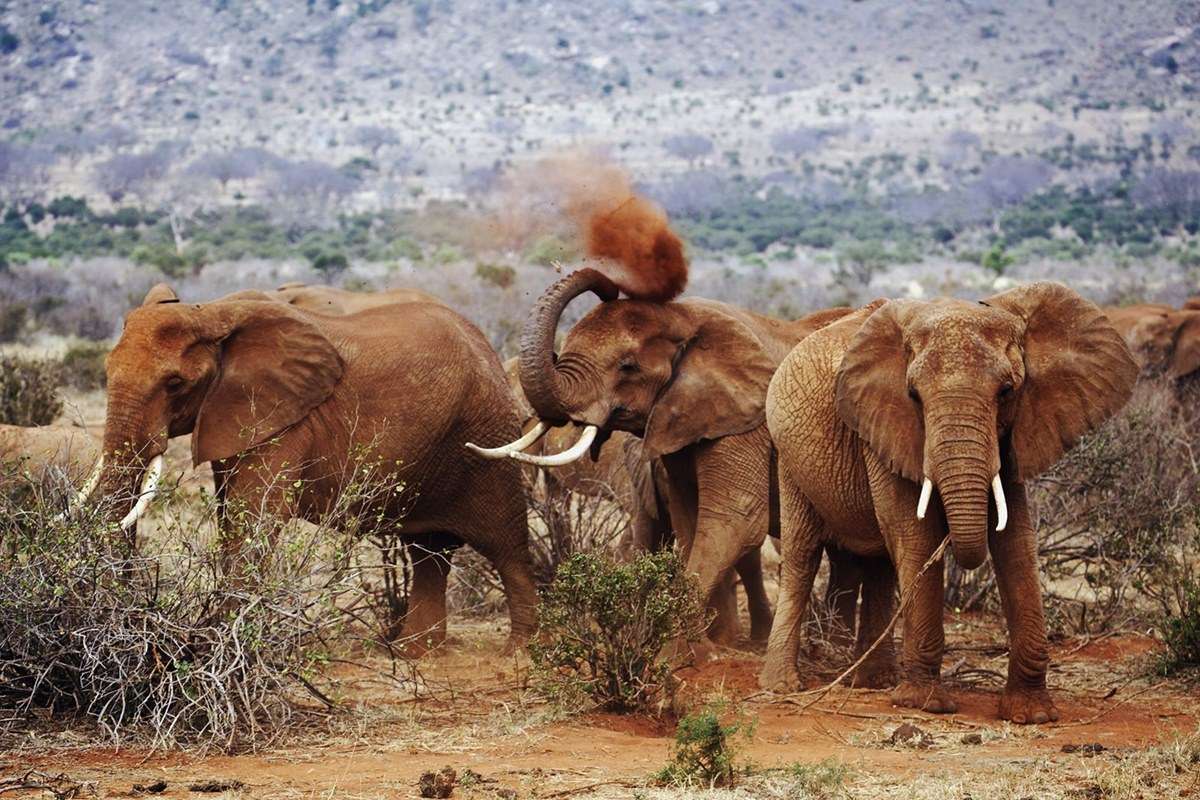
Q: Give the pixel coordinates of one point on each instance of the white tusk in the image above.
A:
(1001, 506)
(148, 492)
(90, 484)
(535, 433)
(566, 456)
(923, 502)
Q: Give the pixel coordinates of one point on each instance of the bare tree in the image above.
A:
(307, 188)
(801, 141)
(127, 173)
(374, 138)
(239, 164)
(23, 170)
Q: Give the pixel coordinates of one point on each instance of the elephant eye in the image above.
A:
(628, 365)
(175, 383)
(914, 395)
(1006, 389)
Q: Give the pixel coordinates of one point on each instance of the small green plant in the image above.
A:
(29, 391)
(603, 627)
(705, 749)
(1182, 633)
(548, 249)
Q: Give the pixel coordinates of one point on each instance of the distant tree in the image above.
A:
(801, 141)
(8, 41)
(1011, 179)
(239, 164)
(308, 188)
(689, 146)
(1173, 194)
(23, 169)
(374, 137)
(127, 173)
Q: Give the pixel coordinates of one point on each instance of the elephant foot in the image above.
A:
(874, 676)
(779, 678)
(755, 645)
(1026, 706)
(516, 641)
(928, 696)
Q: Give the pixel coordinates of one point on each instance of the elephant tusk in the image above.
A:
(923, 502)
(1001, 505)
(90, 484)
(535, 433)
(566, 456)
(148, 493)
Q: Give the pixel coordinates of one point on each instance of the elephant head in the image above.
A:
(953, 394)
(233, 373)
(672, 373)
(1168, 341)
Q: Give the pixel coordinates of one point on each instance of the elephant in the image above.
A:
(1192, 304)
(689, 379)
(872, 413)
(331, 300)
(50, 452)
(639, 486)
(277, 399)
(1165, 340)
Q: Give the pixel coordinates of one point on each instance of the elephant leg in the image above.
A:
(800, 541)
(1014, 556)
(841, 595)
(724, 628)
(912, 542)
(878, 606)
(733, 515)
(424, 626)
(750, 570)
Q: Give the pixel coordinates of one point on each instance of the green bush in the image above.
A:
(499, 275)
(330, 263)
(83, 366)
(548, 249)
(1181, 632)
(29, 391)
(705, 749)
(162, 257)
(603, 627)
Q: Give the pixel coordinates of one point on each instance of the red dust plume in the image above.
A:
(629, 234)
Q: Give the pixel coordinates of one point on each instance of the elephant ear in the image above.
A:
(872, 392)
(1078, 372)
(718, 387)
(160, 293)
(274, 367)
(1185, 356)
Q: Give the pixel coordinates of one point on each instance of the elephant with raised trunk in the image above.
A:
(690, 379)
(908, 421)
(278, 398)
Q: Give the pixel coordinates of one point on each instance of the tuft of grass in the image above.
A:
(1181, 633)
(29, 391)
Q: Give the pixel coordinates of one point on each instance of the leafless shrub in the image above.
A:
(176, 642)
(1119, 516)
(131, 173)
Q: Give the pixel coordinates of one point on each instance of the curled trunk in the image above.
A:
(539, 379)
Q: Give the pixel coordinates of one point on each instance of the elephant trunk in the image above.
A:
(962, 458)
(131, 462)
(540, 378)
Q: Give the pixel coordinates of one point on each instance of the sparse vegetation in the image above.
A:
(29, 391)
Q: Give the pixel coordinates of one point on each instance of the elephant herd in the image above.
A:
(872, 436)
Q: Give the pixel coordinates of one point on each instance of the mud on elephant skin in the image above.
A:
(689, 378)
(909, 420)
(276, 397)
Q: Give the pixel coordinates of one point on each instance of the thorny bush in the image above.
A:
(171, 643)
(705, 749)
(603, 626)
